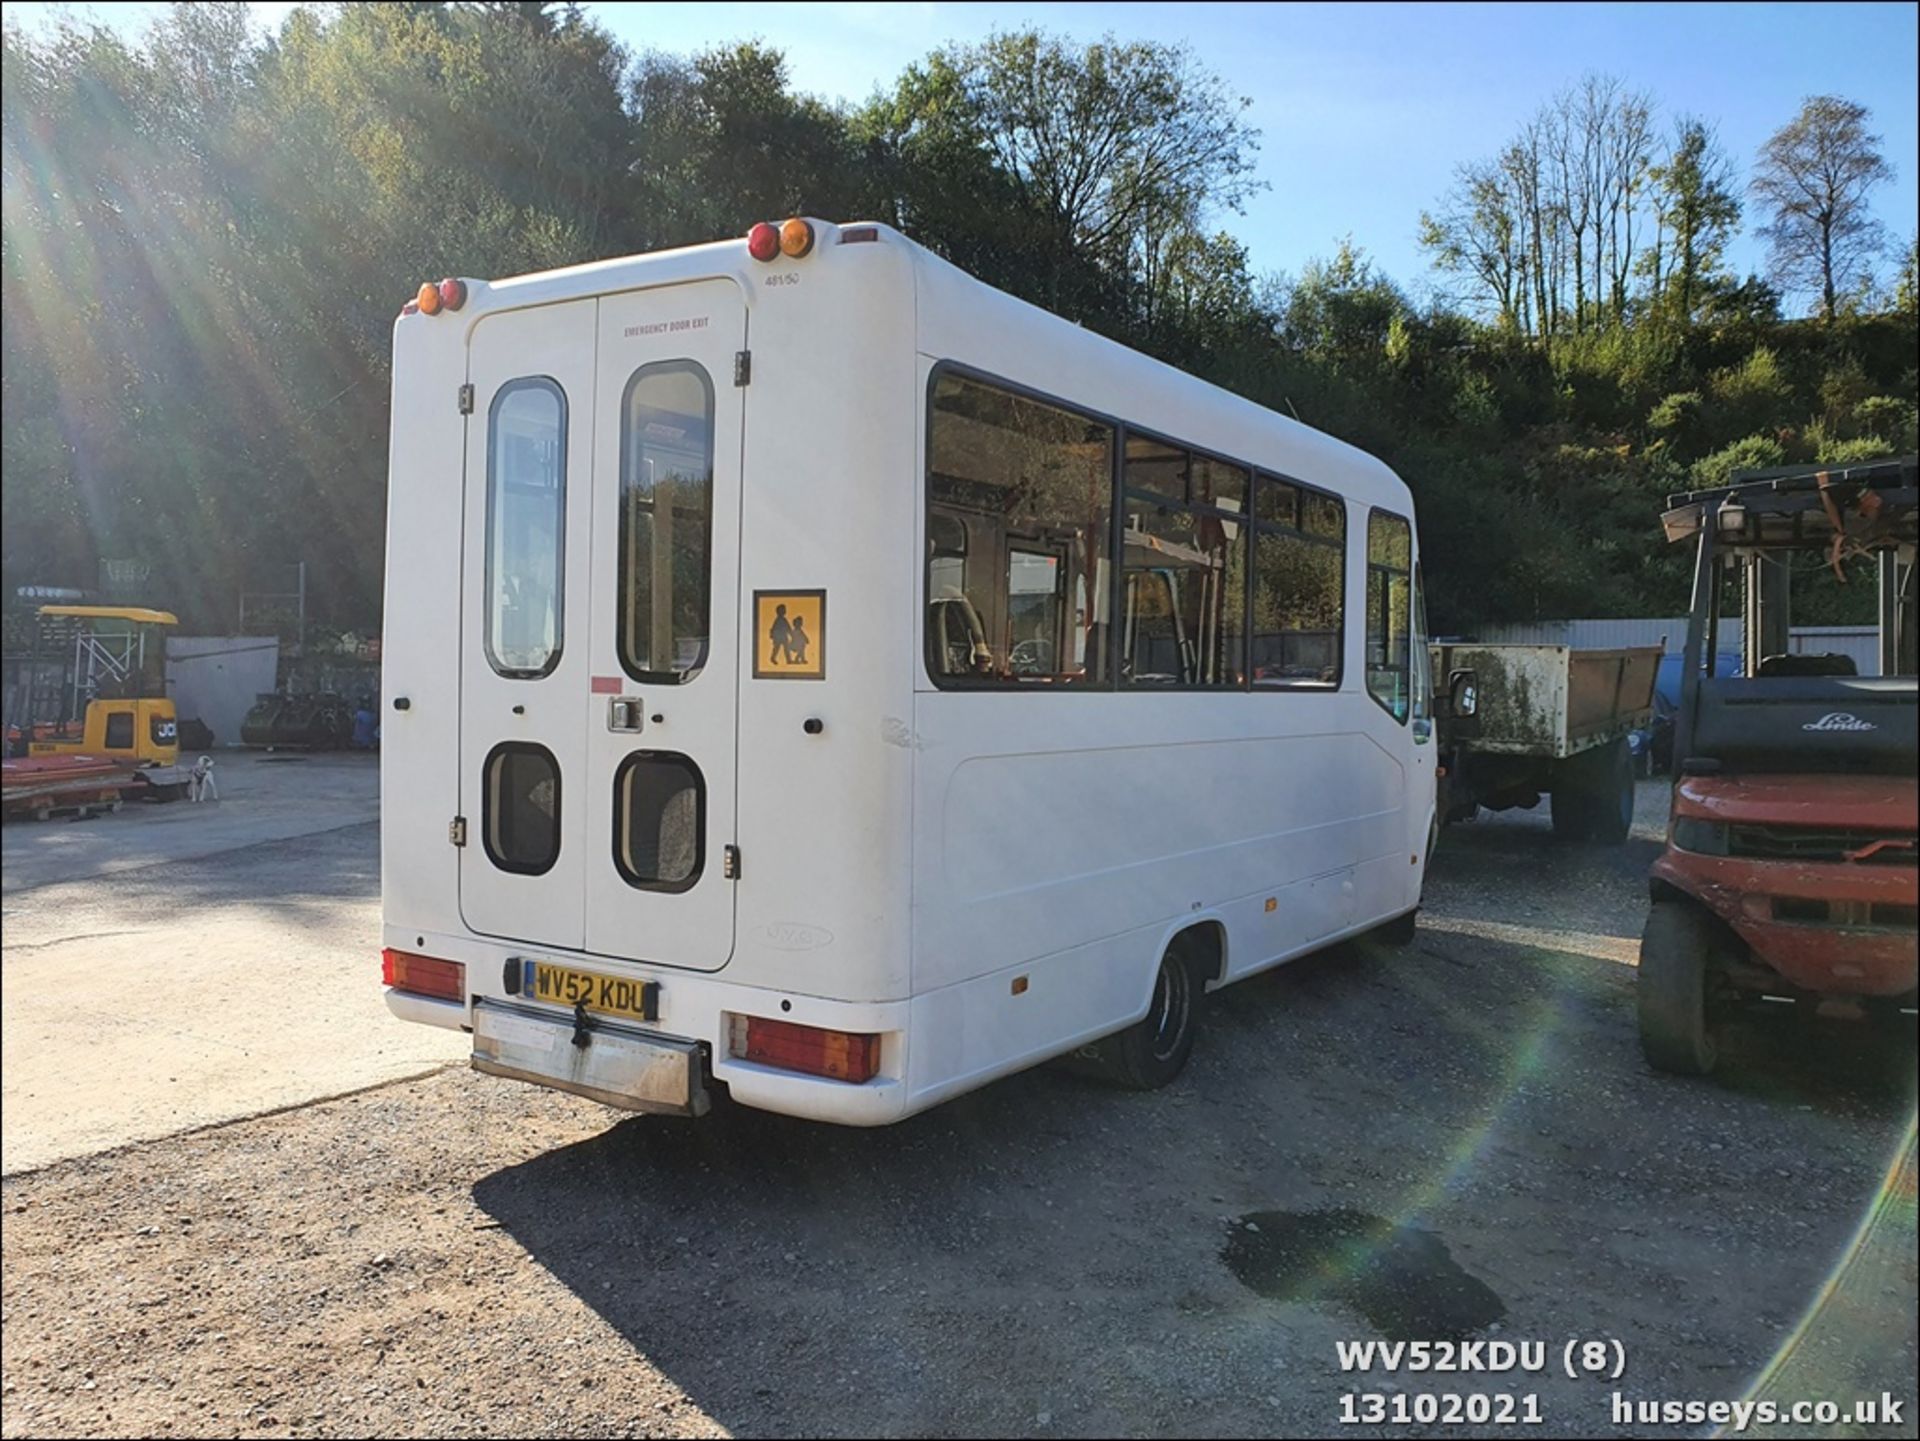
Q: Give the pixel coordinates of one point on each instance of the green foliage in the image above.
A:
(1679, 422)
(1750, 396)
(1754, 452)
(206, 238)
(1889, 419)
(1842, 389)
(1849, 452)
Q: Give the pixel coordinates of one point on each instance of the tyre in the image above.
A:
(1593, 795)
(1154, 1050)
(1673, 989)
(1610, 804)
(1569, 806)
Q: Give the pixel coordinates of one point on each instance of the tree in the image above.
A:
(1341, 311)
(721, 142)
(1906, 288)
(1482, 231)
(1097, 144)
(1695, 202)
(1814, 177)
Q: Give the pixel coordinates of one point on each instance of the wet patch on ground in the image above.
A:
(1401, 1279)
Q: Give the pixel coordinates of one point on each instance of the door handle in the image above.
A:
(626, 713)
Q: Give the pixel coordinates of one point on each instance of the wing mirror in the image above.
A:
(1463, 695)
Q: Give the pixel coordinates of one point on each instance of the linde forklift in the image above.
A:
(1791, 872)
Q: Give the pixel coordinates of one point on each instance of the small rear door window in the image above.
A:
(659, 820)
(520, 799)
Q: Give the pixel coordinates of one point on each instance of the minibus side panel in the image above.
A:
(826, 763)
(420, 643)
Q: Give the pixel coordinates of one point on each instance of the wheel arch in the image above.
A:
(1208, 939)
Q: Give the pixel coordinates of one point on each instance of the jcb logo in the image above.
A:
(164, 731)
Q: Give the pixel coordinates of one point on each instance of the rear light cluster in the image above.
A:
(423, 975)
(791, 238)
(838, 1055)
(449, 294)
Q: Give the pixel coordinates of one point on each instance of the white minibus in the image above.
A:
(812, 672)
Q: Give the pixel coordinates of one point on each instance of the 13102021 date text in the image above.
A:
(1438, 1408)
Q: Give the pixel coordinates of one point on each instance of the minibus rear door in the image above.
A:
(523, 624)
(659, 805)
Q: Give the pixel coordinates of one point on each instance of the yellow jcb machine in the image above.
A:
(99, 688)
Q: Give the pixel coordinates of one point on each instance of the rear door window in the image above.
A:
(526, 526)
(666, 522)
(659, 821)
(520, 801)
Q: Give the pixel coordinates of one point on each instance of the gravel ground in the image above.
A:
(461, 1255)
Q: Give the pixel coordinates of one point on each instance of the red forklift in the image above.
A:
(1791, 872)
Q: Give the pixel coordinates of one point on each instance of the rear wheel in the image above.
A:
(1593, 795)
(1673, 990)
(1152, 1051)
(1611, 806)
(1569, 808)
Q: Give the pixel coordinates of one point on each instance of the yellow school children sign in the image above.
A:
(789, 635)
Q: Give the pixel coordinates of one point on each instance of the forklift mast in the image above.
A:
(1788, 711)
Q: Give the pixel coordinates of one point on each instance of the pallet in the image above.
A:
(69, 807)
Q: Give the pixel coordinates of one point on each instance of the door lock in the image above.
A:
(626, 713)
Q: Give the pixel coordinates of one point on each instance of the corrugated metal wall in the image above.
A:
(1861, 642)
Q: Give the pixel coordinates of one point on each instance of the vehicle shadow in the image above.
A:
(1050, 1246)
(804, 1279)
(1035, 1247)
(1776, 1054)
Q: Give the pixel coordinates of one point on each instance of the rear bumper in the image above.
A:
(696, 1011)
(1849, 954)
(614, 1064)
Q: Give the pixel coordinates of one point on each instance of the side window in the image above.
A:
(1389, 611)
(659, 821)
(120, 731)
(1422, 655)
(666, 522)
(1184, 553)
(1299, 586)
(1018, 508)
(520, 808)
(526, 526)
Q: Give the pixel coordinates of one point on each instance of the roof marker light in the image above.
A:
(763, 241)
(796, 238)
(429, 299)
(453, 293)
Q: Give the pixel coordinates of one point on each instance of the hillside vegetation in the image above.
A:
(207, 238)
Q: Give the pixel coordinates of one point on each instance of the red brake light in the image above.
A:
(453, 293)
(423, 975)
(763, 241)
(839, 1055)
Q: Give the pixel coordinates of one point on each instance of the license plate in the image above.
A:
(606, 995)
